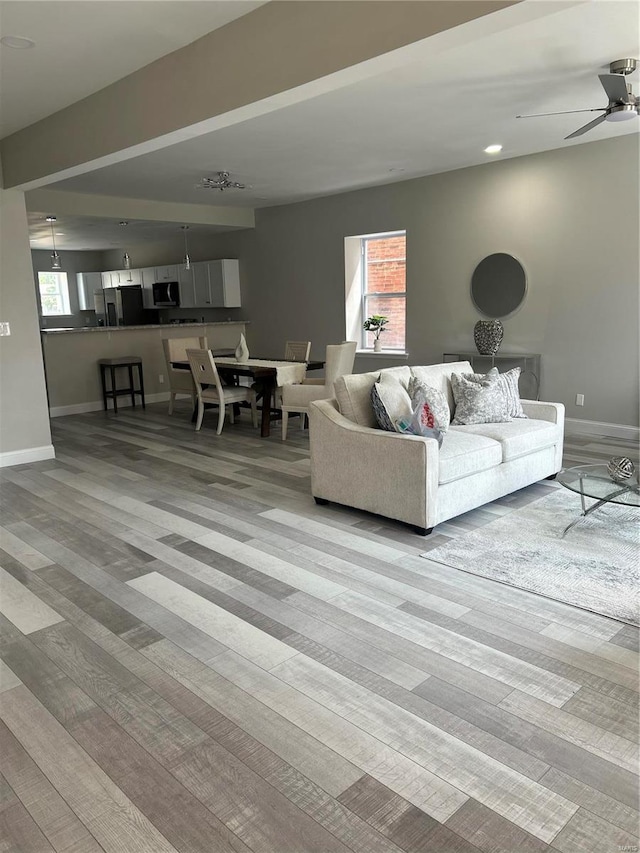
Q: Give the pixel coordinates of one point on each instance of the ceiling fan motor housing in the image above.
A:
(623, 66)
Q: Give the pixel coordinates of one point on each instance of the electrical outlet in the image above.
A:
(161, 379)
(5, 329)
(579, 399)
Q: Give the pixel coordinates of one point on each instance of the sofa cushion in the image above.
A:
(463, 453)
(439, 376)
(353, 393)
(479, 399)
(390, 402)
(516, 438)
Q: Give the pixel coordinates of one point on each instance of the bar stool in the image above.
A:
(110, 364)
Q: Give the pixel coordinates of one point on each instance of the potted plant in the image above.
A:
(376, 324)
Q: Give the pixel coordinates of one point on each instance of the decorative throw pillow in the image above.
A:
(390, 402)
(479, 402)
(509, 383)
(419, 391)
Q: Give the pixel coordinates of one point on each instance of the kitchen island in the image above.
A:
(71, 358)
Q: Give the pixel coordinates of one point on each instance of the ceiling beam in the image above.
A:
(276, 55)
(82, 204)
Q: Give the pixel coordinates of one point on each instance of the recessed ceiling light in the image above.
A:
(493, 149)
(17, 42)
(124, 222)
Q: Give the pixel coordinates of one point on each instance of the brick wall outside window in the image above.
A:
(385, 261)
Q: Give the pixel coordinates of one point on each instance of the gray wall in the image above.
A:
(24, 417)
(569, 215)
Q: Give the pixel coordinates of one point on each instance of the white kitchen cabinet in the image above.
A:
(169, 273)
(128, 277)
(88, 283)
(224, 284)
(187, 293)
(210, 284)
(110, 279)
(147, 278)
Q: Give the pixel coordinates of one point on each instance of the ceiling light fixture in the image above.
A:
(186, 260)
(126, 260)
(493, 149)
(221, 182)
(17, 42)
(56, 263)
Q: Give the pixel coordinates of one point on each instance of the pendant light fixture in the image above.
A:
(186, 260)
(126, 260)
(56, 264)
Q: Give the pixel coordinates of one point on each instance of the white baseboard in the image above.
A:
(98, 405)
(30, 454)
(580, 427)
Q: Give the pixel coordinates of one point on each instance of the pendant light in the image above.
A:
(186, 260)
(126, 260)
(56, 264)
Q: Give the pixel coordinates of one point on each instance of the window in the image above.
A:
(54, 293)
(376, 284)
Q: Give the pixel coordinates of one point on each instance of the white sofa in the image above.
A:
(407, 477)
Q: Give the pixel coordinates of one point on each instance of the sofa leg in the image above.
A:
(551, 477)
(321, 501)
(421, 531)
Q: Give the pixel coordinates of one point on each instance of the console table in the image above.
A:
(529, 363)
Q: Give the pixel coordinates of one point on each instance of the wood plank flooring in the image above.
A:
(196, 658)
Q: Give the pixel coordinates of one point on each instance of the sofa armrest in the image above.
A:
(387, 473)
(540, 411)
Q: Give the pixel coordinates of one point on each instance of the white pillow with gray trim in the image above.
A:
(390, 402)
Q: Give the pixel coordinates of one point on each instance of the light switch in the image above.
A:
(5, 329)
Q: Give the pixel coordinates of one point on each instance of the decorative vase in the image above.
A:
(242, 351)
(620, 468)
(377, 345)
(488, 335)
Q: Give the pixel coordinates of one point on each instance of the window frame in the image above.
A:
(365, 295)
(62, 293)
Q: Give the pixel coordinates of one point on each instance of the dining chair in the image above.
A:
(339, 360)
(209, 389)
(180, 381)
(297, 350)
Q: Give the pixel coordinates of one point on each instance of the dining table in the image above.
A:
(268, 374)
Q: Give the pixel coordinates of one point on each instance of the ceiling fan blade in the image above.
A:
(615, 86)
(563, 112)
(586, 127)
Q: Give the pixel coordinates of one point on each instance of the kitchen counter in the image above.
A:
(169, 326)
(71, 358)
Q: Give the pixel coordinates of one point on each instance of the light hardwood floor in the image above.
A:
(196, 658)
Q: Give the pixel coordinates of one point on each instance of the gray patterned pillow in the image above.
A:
(509, 383)
(479, 402)
(390, 402)
(435, 399)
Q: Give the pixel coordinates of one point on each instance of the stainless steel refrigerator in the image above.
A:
(120, 306)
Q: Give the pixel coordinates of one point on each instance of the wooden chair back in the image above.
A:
(204, 371)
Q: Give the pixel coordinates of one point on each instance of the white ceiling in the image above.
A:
(436, 112)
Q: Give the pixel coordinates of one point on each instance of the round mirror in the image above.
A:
(498, 285)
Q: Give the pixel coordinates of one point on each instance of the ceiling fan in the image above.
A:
(221, 182)
(623, 104)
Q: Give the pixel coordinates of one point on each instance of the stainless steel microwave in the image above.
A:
(166, 294)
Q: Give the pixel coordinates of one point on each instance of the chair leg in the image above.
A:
(172, 398)
(200, 415)
(232, 414)
(221, 410)
(285, 420)
(254, 413)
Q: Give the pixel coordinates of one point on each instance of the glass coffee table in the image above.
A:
(594, 481)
